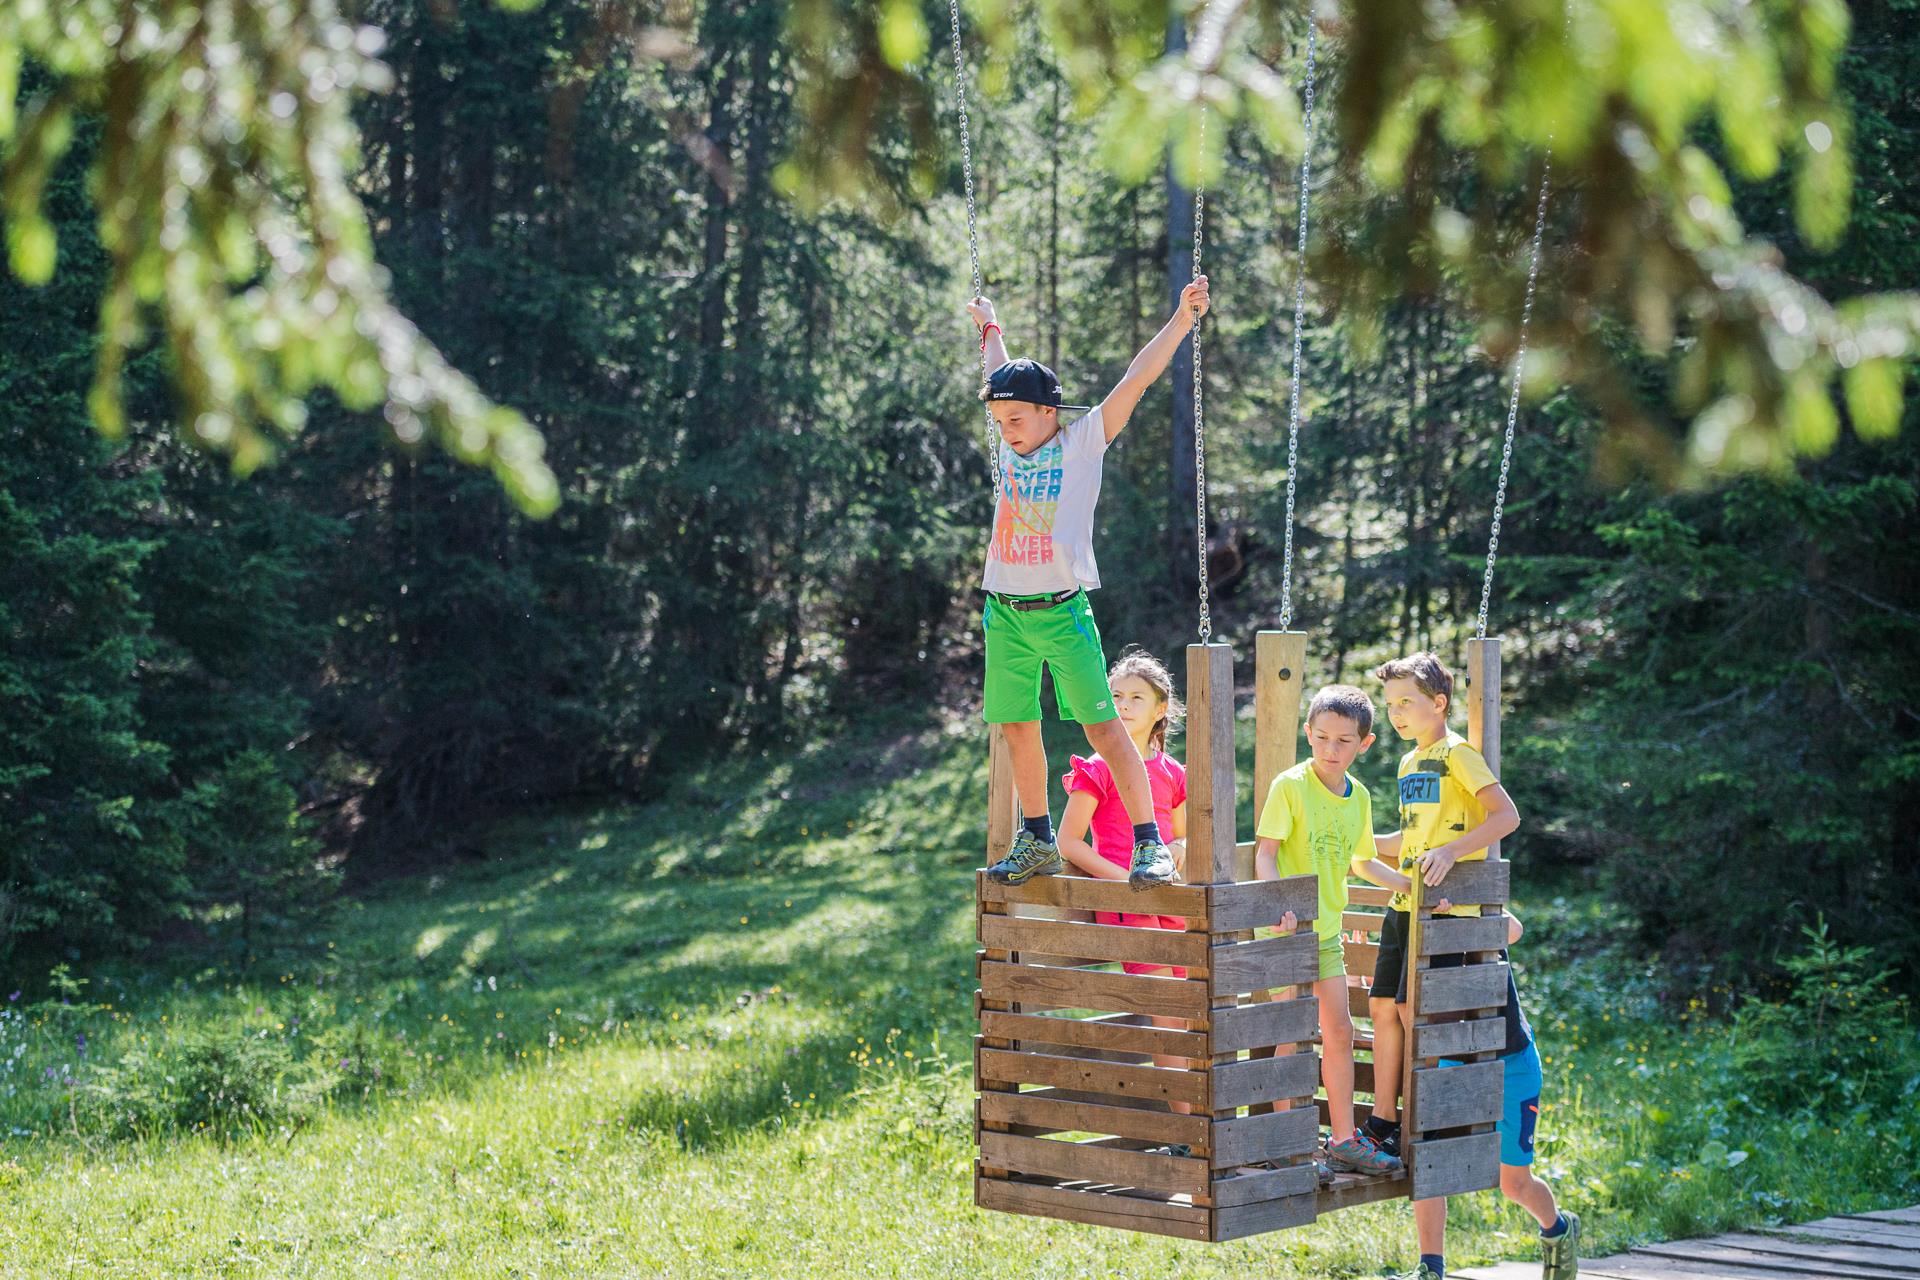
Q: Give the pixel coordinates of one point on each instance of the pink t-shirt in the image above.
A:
(1111, 829)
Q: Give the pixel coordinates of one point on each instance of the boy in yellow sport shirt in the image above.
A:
(1317, 821)
(1452, 809)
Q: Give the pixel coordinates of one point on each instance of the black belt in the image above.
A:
(1036, 602)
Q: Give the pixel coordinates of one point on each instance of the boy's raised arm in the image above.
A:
(1153, 359)
(994, 343)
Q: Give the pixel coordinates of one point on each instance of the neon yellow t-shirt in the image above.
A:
(1320, 835)
(1439, 789)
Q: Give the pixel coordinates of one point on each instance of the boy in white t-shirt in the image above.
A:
(1040, 566)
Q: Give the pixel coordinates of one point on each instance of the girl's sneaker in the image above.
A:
(1152, 865)
(1361, 1154)
(1560, 1255)
(1030, 856)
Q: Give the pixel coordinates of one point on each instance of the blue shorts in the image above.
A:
(1520, 1098)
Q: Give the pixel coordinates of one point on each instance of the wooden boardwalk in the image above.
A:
(1883, 1245)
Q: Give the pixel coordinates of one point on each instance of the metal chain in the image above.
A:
(1199, 415)
(1513, 397)
(1299, 314)
(973, 229)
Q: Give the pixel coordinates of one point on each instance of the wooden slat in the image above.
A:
(1084, 1162)
(1361, 921)
(1712, 1253)
(1256, 1080)
(1132, 1213)
(1452, 936)
(1842, 1230)
(1482, 678)
(1276, 1135)
(1486, 883)
(1368, 895)
(1162, 1084)
(1265, 1023)
(1279, 684)
(1351, 1189)
(1911, 1214)
(1459, 1039)
(1098, 942)
(1091, 989)
(1473, 986)
(1455, 1097)
(1454, 1166)
(1089, 894)
(1251, 1186)
(1258, 904)
(1357, 998)
(1094, 1033)
(1265, 963)
(1003, 802)
(1245, 1220)
(1362, 958)
(1210, 789)
(1041, 1110)
(1894, 1261)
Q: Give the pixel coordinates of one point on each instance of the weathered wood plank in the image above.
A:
(1895, 1261)
(1091, 989)
(1712, 1253)
(1468, 883)
(1892, 1235)
(1084, 1162)
(1473, 986)
(1357, 998)
(1251, 1186)
(1888, 1215)
(1264, 963)
(1455, 1097)
(1265, 1023)
(1245, 1220)
(1131, 1213)
(1459, 1039)
(1162, 1084)
(1453, 935)
(1042, 1111)
(1003, 802)
(1259, 904)
(1276, 1135)
(1094, 1033)
(1256, 1080)
(1350, 1189)
(1279, 684)
(1210, 788)
(1482, 679)
(1454, 1166)
(1361, 921)
(1089, 894)
(1368, 895)
(1362, 958)
(1100, 942)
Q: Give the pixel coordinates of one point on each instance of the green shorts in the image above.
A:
(1066, 641)
(1333, 958)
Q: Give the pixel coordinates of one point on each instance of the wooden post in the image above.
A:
(1210, 791)
(1482, 678)
(1003, 802)
(1279, 682)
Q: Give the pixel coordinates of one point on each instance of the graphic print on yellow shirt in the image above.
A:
(1320, 835)
(1438, 789)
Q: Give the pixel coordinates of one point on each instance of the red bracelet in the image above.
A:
(983, 333)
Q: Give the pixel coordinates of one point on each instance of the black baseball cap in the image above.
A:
(1027, 380)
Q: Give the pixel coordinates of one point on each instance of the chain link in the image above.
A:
(1199, 414)
(973, 228)
(1513, 397)
(1299, 334)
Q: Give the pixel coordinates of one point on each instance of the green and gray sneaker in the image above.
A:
(1030, 856)
(1152, 865)
(1560, 1255)
(1421, 1271)
(1361, 1154)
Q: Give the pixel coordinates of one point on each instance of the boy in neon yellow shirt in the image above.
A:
(1452, 809)
(1318, 821)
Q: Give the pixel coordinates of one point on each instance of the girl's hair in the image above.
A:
(1140, 663)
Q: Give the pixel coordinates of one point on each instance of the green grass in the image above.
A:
(729, 1034)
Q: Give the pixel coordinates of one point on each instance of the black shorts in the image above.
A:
(1390, 968)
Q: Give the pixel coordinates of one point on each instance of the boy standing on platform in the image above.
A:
(1040, 567)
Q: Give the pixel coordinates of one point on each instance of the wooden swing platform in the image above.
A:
(1881, 1245)
(1075, 1118)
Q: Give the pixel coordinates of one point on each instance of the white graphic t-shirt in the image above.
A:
(1043, 523)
